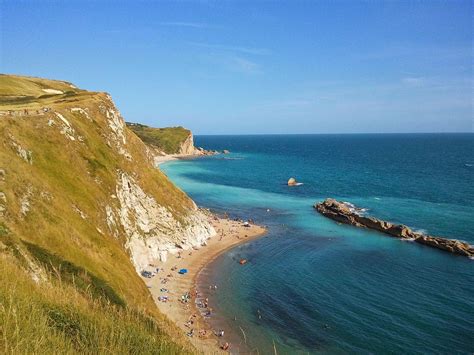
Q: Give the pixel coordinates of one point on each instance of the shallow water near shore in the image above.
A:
(312, 285)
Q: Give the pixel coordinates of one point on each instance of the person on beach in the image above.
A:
(225, 346)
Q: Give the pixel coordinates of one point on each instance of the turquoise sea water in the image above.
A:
(314, 286)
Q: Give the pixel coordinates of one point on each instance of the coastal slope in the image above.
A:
(82, 209)
(168, 143)
(168, 140)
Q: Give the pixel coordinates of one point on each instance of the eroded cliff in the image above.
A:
(79, 193)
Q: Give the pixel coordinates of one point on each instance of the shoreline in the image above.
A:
(182, 310)
(160, 159)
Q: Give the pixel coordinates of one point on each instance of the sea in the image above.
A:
(313, 286)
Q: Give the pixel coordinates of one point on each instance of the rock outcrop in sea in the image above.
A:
(349, 214)
(292, 182)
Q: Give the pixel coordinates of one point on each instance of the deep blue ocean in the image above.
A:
(314, 286)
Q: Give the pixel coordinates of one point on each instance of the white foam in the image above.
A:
(421, 231)
(354, 209)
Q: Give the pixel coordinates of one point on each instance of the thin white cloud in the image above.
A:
(246, 50)
(244, 65)
(152, 27)
(231, 62)
(406, 97)
(186, 24)
(413, 81)
(290, 104)
(410, 50)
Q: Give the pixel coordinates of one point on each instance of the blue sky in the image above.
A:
(238, 67)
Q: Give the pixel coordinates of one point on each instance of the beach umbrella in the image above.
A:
(183, 271)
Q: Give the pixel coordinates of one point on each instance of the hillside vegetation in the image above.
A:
(82, 209)
(168, 140)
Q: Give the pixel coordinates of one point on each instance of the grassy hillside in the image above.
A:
(54, 317)
(66, 280)
(167, 140)
(15, 90)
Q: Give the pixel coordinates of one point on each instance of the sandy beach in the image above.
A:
(170, 289)
(160, 159)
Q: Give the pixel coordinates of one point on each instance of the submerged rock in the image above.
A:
(342, 212)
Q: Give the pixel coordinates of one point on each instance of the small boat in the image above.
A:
(242, 261)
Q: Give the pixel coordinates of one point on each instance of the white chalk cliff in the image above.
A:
(150, 229)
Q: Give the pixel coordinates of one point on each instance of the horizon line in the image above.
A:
(320, 134)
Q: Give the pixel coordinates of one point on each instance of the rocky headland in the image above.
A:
(170, 143)
(345, 213)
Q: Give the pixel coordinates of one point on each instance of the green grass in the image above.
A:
(52, 318)
(94, 165)
(76, 275)
(12, 85)
(3, 230)
(167, 139)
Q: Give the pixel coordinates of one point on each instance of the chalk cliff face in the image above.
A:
(70, 157)
(187, 147)
(151, 230)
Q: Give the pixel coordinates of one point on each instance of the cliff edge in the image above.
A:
(80, 196)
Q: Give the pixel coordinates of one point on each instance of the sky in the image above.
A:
(256, 67)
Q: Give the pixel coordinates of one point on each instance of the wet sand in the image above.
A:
(169, 283)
